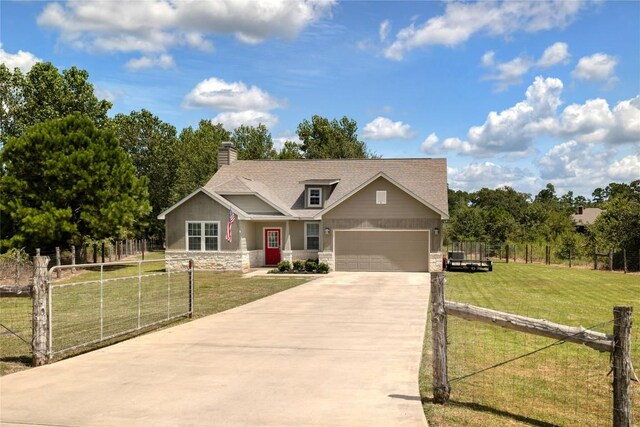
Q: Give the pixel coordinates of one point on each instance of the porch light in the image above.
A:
(327, 230)
(436, 231)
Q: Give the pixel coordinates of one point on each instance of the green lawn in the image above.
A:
(214, 292)
(564, 385)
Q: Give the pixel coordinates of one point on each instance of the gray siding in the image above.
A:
(199, 208)
(401, 211)
(252, 204)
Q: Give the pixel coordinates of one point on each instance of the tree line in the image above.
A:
(72, 174)
(504, 215)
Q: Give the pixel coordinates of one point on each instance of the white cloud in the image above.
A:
(557, 53)
(162, 61)
(627, 122)
(598, 66)
(626, 169)
(383, 32)
(287, 135)
(488, 59)
(461, 20)
(22, 60)
(511, 72)
(428, 146)
(581, 167)
(236, 96)
(475, 176)
(514, 130)
(233, 119)
(382, 128)
(456, 144)
(237, 103)
(157, 25)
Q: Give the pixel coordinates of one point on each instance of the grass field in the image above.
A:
(214, 292)
(564, 385)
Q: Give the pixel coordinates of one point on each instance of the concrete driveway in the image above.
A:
(342, 350)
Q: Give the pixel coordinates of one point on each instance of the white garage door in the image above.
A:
(366, 250)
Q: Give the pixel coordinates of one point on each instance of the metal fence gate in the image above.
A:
(93, 303)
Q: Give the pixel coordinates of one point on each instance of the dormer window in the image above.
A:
(314, 197)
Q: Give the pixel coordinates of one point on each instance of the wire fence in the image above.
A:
(544, 253)
(99, 302)
(531, 379)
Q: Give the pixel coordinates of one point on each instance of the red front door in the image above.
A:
(271, 246)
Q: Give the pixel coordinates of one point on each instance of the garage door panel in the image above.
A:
(381, 250)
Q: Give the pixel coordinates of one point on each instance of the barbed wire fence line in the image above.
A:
(597, 258)
(530, 378)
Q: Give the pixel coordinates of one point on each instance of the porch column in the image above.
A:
(242, 246)
(287, 255)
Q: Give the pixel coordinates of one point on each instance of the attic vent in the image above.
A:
(381, 197)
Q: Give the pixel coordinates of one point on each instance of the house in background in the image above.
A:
(585, 217)
(355, 215)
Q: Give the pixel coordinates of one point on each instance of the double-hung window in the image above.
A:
(314, 197)
(203, 235)
(312, 236)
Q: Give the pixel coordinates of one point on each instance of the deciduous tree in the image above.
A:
(151, 144)
(335, 139)
(43, 94)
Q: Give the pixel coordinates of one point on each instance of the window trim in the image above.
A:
(309, 204)
(381, 197)
(306, 248)
(202, 236)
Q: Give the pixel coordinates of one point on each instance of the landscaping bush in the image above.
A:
(284, 266)
(323, 267)
(310, 266)
(313, 260)
(298, 265)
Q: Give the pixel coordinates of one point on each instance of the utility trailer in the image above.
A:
(456, 261)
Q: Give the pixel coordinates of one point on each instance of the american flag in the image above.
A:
(230, 221)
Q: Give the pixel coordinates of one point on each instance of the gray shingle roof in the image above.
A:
(282, 181)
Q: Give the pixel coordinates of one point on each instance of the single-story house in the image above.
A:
(355, 215)
(585, 217)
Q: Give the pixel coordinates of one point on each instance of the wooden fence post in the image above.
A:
(622, 366)
(73, 257)
(40, 306)
(441, 387)
(610, 259)
(58, 263)
(570, 256)
(102, 252)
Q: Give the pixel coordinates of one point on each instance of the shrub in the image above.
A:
(310, 266)
(323, 267)
(298, 265)
(313, 260)
(274, 270)
(284, 266)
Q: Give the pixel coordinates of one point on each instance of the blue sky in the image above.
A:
(516, 93)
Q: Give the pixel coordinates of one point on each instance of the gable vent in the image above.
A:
(381, 197)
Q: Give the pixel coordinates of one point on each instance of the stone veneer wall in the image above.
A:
(327, 257)
(256, 258)
(303, 255)
(217, 261)
(435, 262)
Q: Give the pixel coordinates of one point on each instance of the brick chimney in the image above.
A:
(227, 154)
